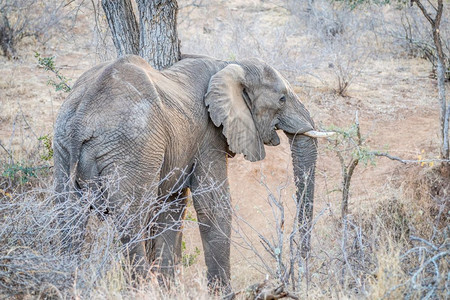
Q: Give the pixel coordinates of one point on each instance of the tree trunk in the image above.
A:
(347, 174)
(7, 41)
(159, 43)
(154, 37)
(440, 70)
(123, 25)
(444, 115)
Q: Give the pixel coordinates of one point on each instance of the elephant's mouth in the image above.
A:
(272, 139)
(275, 139)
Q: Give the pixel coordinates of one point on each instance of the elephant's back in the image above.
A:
(110, 106)
(107, 95)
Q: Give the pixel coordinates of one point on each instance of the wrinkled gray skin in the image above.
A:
(144, 124)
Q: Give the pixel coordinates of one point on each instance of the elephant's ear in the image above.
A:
(227, 107)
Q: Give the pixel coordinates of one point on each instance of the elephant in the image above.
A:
(171, 131)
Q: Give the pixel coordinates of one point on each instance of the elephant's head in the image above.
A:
(251, 100)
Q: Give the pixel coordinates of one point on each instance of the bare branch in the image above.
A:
(391, 157)
(407, 161)
(7, 152)
(424, 11)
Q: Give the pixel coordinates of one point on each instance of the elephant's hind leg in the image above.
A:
(132, 194)
(164, 244)
(131, 223)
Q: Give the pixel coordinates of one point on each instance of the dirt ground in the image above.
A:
(395, 96)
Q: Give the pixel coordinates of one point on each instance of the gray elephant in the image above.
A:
(168, 131)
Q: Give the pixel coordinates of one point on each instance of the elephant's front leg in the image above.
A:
(211, 196)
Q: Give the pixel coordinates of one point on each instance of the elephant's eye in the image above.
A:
(282, 100)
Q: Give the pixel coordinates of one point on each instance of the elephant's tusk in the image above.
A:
(318, 134)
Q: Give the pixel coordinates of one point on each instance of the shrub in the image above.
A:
(37, 19)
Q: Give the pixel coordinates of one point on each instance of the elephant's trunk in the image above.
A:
(304, 156)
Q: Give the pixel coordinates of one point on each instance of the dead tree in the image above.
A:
(440, 70)
(154, 37)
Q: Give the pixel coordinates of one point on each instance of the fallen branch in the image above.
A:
(262, 291)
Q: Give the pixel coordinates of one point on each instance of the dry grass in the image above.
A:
(429, 193)
(381, 252)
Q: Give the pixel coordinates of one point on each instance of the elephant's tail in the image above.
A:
(74, 161)
(83, 170)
